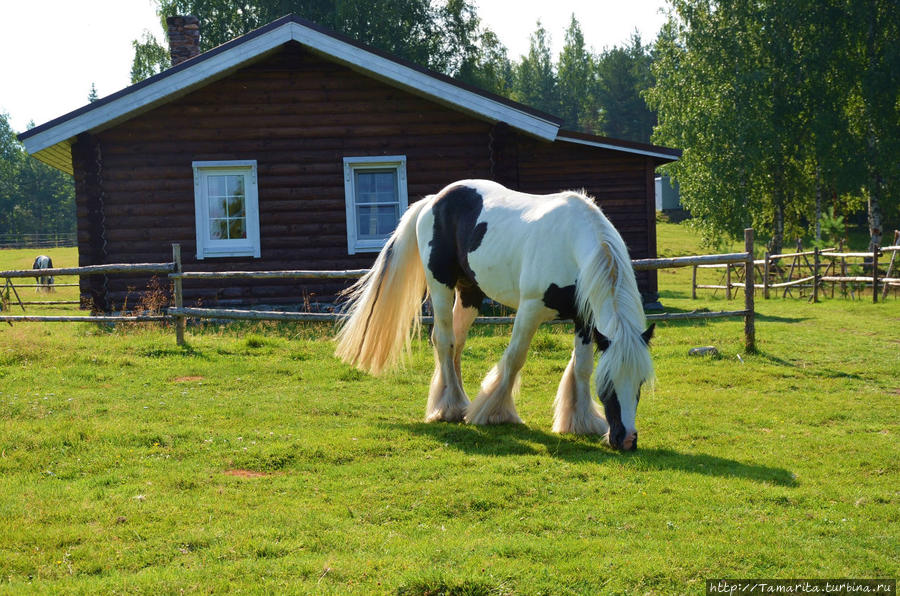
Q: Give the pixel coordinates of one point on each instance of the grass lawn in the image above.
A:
(253, 461)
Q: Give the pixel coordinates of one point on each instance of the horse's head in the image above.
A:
(622, 371)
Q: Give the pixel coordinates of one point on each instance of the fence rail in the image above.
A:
(811, 274)
(178, 313)
(38, 240)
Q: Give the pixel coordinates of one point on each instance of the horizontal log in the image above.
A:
(55, 285)
(795, 282)
(788, 255)
(118, 268)
(296, 274)
(171, 151)
(251, 315)
(849, 255)
(645, 264)
(321, 113)
(387, 133)
(867, 279)
(84, 318)
(263, 315)
(696, 315)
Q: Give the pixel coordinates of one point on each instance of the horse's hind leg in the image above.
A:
(494, 404)
(446, 399)
(463, 317)
(575, 411)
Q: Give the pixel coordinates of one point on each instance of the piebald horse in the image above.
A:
(551, 256)
(45, 282)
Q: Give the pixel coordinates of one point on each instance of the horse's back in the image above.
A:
(512, 245)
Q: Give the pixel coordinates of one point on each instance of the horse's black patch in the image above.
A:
(470, 294)
(477, 236)
(562, 300)
(601, 340)
(613, 411)
(456, 234)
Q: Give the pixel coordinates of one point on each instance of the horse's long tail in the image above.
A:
(385, 305)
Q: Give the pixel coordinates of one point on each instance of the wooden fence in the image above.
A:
(809, 271)
(178, 313)
(38, 240)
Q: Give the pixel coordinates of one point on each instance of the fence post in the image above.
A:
(694, 283)
(749, 314)
(728, 281)
(815, 274)
(766, 276)
(890, 269)
(179, 298)
(875, 274)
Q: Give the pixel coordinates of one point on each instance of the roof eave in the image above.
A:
(657, 152)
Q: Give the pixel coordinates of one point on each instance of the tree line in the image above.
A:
(34, 198)
(787, 111)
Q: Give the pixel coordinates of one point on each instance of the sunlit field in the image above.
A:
(251, 460)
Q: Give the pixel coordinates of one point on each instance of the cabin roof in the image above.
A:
(51, 142)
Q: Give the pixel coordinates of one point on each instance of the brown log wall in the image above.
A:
(298, 116)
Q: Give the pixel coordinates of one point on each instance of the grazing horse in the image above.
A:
(545, 256)
(45, 281)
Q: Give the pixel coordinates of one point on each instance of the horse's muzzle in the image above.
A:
(623, 442)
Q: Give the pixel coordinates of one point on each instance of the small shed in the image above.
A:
(293, 147)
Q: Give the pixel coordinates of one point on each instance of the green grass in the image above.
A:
(23, 259)
(253, 461)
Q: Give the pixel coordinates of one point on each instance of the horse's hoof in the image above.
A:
(453, 415)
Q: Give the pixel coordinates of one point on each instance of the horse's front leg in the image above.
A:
(447, 400)
(575, 411)
(495, 403)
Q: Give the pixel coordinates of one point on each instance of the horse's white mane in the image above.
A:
(608, 298)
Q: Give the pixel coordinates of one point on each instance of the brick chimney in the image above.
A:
(184, 38)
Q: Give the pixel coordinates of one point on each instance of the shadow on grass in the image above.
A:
(513, 439)
(810, 371)
(725, 306)
(776, 319)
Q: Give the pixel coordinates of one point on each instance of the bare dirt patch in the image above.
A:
(245, 473)
(186, 379)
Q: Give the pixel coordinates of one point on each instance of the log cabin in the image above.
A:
(293, 147)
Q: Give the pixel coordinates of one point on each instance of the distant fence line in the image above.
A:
(63, 239)
(178, 313)
(807, 271)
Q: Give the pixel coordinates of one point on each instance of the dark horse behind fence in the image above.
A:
(45, 282)
(547, 256)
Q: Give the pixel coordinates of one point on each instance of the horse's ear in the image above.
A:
(601, 340)
(648, 334)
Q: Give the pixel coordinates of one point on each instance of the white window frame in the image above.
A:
(243, 247)
(356, 164)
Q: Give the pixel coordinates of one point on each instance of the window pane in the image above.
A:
(385, 185)
(218, 229)
(375, 222)
(364, 183)
(237, 228)
(236, 207)
(235, 186)
(216, 186)
(376, 186)
(216, 207)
